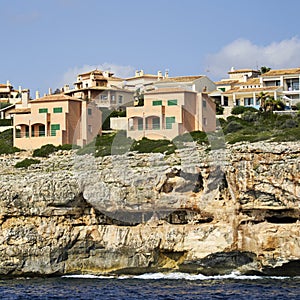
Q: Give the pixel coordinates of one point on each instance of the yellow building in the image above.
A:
(55, 119)
(168, 112)
(102, 88)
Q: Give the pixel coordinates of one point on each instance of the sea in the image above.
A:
(173, 286)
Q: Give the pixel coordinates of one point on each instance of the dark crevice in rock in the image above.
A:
(281, 220)
(219, 263)
(278, 216)
(193, 182)
(292, 268)
(217, 179)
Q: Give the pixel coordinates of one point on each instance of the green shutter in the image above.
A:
(89, 111)
(54, 127)
(172, 102)
(57, 110)
(43, 110)
(169, 122)
(157, 102)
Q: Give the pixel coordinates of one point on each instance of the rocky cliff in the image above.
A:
(198, 210)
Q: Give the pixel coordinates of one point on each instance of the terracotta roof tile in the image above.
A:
(181, 78)
(248, 90)
(55, 97)
(169, 90)
(281, 72)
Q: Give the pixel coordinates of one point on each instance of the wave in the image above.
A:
(179, 276)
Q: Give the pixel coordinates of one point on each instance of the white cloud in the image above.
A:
(69, 76)
(243, 53)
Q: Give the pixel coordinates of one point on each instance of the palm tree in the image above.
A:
(262, 97)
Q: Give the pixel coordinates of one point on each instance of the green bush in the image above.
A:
(249, 116)
(290, 123)
(6, 142)
(237, 110)
(153, 146)
(44, 151)
(5, 122)
(233, 126)
(27, 162)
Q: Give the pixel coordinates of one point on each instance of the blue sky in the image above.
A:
(45, 43)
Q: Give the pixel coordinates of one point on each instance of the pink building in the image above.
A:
(170, 112)
(55, 119)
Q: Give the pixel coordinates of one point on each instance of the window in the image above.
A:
(169, 122)
(248, 101)
(57, 110)
(90, 128)
(113, 98)
(43, 110)
(120, 99)
(237, 102)
(204, 121)
(222, 89)
(89, 111)
(54, 128)
(140, 124)
(103, 97)
(204, 103)
(156, 123)
(41, 130)
(172, 102)
(157, 102)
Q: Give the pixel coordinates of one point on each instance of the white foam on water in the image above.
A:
(178, 276)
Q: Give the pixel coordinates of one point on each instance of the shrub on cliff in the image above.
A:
(6, 142)
(153, 146)
(237, 110)
(27, 162)
(44, 151)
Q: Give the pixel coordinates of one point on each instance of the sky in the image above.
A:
(46, 43)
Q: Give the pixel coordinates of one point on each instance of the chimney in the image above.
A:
(141, 72)
(166, 73)
(66, 87)
(159, 74)
(25, 98)
(137, 73)
(20, 89)
(37, 94)
(50, 91)
(8, 83)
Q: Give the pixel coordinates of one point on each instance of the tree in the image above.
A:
(264, 69)
(269, 103)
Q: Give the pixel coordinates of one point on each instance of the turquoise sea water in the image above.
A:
(153, 286)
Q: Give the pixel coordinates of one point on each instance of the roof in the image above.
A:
(241, 90)
(96, 72)
(21, 111)
(281, 72)
(243, 71)
(181, 78)
(226, 82)
(55, 97)
(143, 76)
(99, 88)
(250, 81)
(169, 90)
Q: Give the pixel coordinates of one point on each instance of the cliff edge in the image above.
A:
(198, 210)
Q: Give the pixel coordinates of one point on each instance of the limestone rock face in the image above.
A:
(198, 210)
